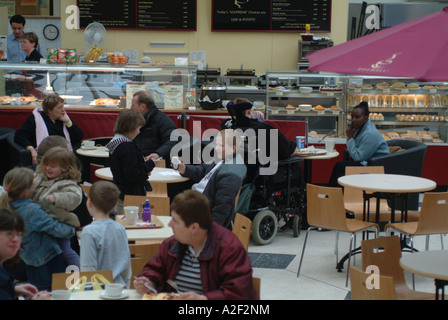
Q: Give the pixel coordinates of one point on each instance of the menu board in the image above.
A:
(271, 15)
(177, 15)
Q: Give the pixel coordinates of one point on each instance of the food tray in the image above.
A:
(154, 224)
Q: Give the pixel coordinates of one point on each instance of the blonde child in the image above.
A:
(56, 189)
(104, 241)
(41, 251)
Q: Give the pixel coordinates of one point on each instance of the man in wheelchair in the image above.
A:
(279, 194)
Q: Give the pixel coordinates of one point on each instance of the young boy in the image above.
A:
(104, 244)
(128, 166)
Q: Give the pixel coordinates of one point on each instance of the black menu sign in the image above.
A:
(139, 14)
(271, 15)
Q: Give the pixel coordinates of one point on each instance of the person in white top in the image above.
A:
(104, 244)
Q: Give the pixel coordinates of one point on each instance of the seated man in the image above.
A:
(206, 261)
(244, 118)
(220, 181)
(154, 138)
(364, 142)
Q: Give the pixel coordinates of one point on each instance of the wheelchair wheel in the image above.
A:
(264, 227)
(296, 225)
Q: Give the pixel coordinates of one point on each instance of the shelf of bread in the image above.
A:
(306, 110)
(396, 100)
(421, 136)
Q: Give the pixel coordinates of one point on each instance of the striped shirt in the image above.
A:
(189, 276)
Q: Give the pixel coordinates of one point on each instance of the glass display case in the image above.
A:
(402, 108)
(97, 85)
(318, 99)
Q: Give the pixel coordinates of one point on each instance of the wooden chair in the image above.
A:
(385, 253)
(354, 200)
(58, 280)
(256, 282)
(140, 255)
(86, 188)
(359, 290)
(160, 206)
(433, 218)
(241, 228)
(326, 210)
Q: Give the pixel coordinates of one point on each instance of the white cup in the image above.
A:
(88, 144)
(131, 215)
(329, 145)
(60, 295)
(114, 289)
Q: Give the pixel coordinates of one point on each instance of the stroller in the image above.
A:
(270, 199)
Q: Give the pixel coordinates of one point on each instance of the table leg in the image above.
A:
(440, 286)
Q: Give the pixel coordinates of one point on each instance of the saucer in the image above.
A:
(84, 148)
(123, 295)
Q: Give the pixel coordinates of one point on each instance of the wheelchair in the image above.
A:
(277, 202)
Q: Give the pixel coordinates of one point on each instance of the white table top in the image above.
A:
(98, 152)
(164, 175)
(392, 183)
(130, 294)
(326, 156)
(147, 234)
(431, 264)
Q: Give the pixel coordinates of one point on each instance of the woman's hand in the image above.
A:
(350, 132)
(33, 155)
(26, 290)
(191, 296)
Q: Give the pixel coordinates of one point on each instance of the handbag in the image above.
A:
(246, 193)
(97, 282)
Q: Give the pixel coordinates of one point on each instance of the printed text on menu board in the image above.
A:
(139, 14)
(271, 15)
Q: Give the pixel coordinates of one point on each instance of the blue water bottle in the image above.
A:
(146, 216)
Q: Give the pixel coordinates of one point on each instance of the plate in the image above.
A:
(315, 152)
(123, 295)
(84, 148)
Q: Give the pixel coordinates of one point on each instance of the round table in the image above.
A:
(159, 178)
(129, 294)
(390, 183)
(97, 152)
(307, 170)
(431, 264)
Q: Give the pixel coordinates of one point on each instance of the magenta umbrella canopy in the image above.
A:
(416, 49)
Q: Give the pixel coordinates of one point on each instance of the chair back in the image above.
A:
(385, 253)
(353, 196)
(59, 280)
(86, 189)
(326, 207)
(160, 206)
(241, 228)
(433, 217)
(385, 289)
(256, 282)
(140, 255)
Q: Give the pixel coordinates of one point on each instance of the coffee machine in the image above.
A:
(306, 47)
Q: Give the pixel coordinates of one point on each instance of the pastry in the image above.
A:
(161, 296)
(290, 107)
(319, 108)
(413, 85)
(335, 108)
(383, 85)
(398, 85)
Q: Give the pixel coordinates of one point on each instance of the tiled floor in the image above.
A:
(277, 263)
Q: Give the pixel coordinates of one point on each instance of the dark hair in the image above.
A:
(17, 19)
(364, 107)
(104, 195)
(11, 220)
(146, 98)
(50, 142)
(192, 206)
(128, 120)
